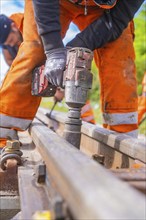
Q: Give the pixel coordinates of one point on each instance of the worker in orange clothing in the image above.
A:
(14, 33)
(16, 26)
(14, 30)
(106, 29)
(142, 101)
(87, 114)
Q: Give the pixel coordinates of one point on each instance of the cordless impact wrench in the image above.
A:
(77, 81)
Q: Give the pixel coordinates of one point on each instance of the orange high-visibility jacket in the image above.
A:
(115, 62)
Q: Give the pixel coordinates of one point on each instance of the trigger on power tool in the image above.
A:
(40, 84)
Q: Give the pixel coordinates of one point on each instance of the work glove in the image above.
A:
(55, 66)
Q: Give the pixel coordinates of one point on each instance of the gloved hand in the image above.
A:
(55, 66)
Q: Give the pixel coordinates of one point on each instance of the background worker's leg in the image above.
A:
(17, 105)
(87, 113)
(118, 84)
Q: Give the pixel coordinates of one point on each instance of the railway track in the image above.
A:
(58, 181)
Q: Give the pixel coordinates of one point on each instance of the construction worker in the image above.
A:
(12, 37)
(142, 101)
(13, 30)
(105, 29)
(15, 23)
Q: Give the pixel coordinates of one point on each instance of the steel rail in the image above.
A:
(131, 147)
(90, 190)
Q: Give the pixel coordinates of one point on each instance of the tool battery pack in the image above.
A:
(40, 84)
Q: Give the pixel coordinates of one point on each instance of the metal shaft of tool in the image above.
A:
(52, 108)
(72, 132)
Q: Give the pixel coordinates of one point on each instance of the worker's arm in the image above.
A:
(48, 23)
(47, 18)
(7, 56)
(105, 29)
(109, 26)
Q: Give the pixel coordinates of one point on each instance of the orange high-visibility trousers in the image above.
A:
(116, 70)
(87, 114)
(17, 105)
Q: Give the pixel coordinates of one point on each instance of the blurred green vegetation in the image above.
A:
(140, 45)
(94, 94)
(142, 128)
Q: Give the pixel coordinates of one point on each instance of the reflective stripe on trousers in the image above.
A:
(5, 133)
(120, 120)
(10, 125)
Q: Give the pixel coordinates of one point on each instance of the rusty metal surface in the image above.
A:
(9, 189)
(84, 184)
(121, 143)
(36, 196)
(8, 182)
(9, 195)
